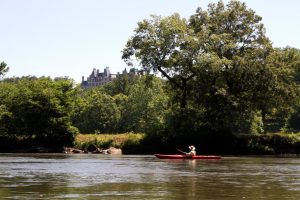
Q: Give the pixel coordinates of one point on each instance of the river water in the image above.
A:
(91, 176)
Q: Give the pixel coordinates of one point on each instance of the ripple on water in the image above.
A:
(146, 177)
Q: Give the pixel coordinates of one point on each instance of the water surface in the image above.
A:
(91, 176)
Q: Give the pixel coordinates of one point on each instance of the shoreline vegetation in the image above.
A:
(243, 144)
(213, 80)
(98, 143)
(138, 143)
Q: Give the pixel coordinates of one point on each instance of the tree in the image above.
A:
(5, 117)
(284, 109)
(215, 62)
(39, 110)
(3, 68)
(235, 76)
(96, 111)
(121, 85)
(146, 107)
(166, 45)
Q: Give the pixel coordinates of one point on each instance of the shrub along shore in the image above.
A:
(128, 142)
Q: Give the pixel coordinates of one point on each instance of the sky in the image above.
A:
(60, 38)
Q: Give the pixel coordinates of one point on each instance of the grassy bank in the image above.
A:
(128, 142)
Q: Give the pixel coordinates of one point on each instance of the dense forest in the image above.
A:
(213, 79)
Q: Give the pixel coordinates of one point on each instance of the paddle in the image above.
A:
(181, 151)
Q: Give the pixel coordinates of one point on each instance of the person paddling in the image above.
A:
(192, 151)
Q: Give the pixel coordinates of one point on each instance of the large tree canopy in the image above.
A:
(38, 109)
(234, 77)
(215, 60)
(167, 45)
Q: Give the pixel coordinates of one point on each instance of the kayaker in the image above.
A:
(192, 151)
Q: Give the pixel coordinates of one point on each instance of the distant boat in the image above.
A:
(176, 156)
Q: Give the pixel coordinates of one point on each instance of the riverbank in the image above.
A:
(242, 144)
(139, 143)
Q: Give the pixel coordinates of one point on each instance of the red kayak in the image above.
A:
(176, 156)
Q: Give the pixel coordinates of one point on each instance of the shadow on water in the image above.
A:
(60, 176)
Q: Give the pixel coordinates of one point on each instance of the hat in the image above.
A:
(191, 147)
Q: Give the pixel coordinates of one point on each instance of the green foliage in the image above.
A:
(256, 125)
(145, 109)
(222, 84)
(221, 75)
(269, 144)
(214, 62)
(139, 108)
(213, 143)
(221, 69)
(5, 117)
(38, 109)
(284, 97)
(234, 78)
(95, 111)
(292, 124)
(166, 45)
(121, 85)
(125, 141)
(3, 68)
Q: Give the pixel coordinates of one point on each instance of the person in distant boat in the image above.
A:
(192, 151)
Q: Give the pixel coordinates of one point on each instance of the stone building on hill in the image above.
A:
(96, 78)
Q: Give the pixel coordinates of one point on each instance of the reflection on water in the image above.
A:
(60, 176)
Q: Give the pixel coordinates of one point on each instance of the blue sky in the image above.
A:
(71, 37)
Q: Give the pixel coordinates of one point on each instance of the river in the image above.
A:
(94, 176)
